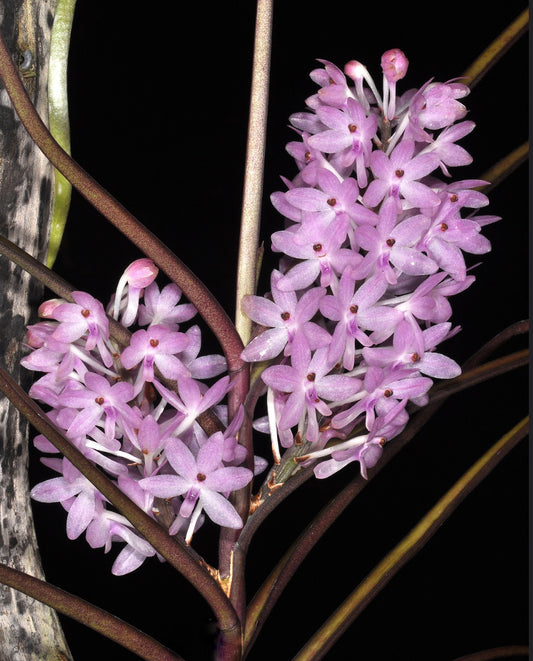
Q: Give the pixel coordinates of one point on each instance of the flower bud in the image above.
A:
(354, 70)
(141, 273)
(46, 309)
(394, 64)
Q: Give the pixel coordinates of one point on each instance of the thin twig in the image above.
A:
(496, 49)
(247, 267)
(345, 615)
(505, 167)
(496, 653)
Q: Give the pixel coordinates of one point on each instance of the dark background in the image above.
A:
(159, 103)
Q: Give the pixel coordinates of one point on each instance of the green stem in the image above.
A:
(229, 565)
(317, 646)
(89, 615)
(253, 173)
(58, 118)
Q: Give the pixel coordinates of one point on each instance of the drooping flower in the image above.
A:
(138, 275)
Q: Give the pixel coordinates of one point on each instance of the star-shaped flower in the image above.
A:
(201, 480)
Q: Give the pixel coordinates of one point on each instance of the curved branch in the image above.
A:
(204, 301)
(505, 166)
(479, 374)
(55, 283)
(181, 557)
(89, 615)
(266, 597)
(496, 49)
(345, 615)
(497, 653)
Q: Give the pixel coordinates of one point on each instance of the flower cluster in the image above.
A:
(134, 411)
(372, 249)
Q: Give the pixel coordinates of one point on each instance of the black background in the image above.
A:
(159, 103)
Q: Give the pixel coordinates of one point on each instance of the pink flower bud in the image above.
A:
(354, 70)
(141, 273)
(33, 339)
(394, 64)
(47, 308)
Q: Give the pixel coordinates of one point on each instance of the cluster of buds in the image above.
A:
(134, 411)
(372, 249)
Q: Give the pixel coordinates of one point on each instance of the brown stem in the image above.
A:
(496, 653)
(204, 301)
(181, 557)
(496, 49)
(265, 599)
(321, 642)
(89, 615)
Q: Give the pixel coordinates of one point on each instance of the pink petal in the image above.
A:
(219, 510)
(165, 486)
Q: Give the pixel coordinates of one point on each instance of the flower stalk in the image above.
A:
(254, 166)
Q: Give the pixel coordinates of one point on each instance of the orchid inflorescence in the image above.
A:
(371, 252)
(114, 406)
